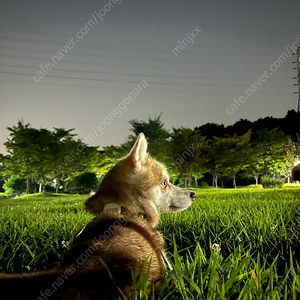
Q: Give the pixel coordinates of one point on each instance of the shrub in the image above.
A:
(84, 183)
(14, 186)
(270, 182)
(181, 183)
(255, 186)
(203, 185)
(292, 185)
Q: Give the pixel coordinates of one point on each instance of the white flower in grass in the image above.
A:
(273, 228)
(65, 244)
(28, 268)
(216, 247)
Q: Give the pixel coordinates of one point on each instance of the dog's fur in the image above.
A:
(121, 236)
(296, 173)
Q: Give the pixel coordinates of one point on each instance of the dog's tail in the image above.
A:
(33, 285)
(57, 284)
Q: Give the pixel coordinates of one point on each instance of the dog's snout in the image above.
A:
(193, 196)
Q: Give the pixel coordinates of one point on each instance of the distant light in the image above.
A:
(297, 163)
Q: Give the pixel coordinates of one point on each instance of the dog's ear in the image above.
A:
(296, 173)
(138, 153)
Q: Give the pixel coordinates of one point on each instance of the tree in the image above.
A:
(256, 168)
(157, 136)
(211, 154)
(292, 154)
(209, 130)
(44, 155)
(185, 147)
(14, 185)
(18, 161)
(236, 155)
(84, 183)
(108, 158)
(273, 143)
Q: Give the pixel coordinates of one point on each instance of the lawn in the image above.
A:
(257, 232)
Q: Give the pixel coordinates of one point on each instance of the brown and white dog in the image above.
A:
(109, 250)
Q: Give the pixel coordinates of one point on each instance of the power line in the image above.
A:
(125, 81)
(124, 74)
(105, 80)
(109, 73)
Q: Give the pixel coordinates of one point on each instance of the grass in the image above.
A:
(33, 227)
(258, 233)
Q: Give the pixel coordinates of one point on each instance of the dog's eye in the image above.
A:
(164, 183)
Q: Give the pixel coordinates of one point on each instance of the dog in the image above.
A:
(296, 173)
(120, 243)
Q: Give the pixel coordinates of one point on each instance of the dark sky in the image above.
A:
(107, 48)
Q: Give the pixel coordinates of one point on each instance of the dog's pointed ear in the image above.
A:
(296, 173)
(138, 153)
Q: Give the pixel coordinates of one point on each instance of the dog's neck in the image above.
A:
(146, 213)
(125, 210)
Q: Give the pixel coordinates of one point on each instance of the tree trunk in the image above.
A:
(40, 188)
(185, 181)
(256, 179)
(196, 181)
(222, 183)
(289, 179)
(215, 181)
(234, 182)
(65, 185)
(190, 181)
(27, 186)
(44, 184)
(57, 186)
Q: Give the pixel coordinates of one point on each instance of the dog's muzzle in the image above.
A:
(193, 196)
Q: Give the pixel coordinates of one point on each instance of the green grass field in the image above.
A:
(258, 233)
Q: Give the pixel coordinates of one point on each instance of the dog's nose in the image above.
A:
(193, 196)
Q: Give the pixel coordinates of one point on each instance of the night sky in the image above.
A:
(95, 65)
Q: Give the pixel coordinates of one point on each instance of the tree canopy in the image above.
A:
(57, 159)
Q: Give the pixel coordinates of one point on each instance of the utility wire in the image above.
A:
(109, 73)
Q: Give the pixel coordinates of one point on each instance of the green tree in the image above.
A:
(84, 183)
(185, 151)
(107, 158)
(292, 155)
(14, 185)
(42, 154)
(73, 157)
(211, 154)
(268, 154)
(157, 136)
(273, 153)
(18, 162)
(236, 155)
(257, 167)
